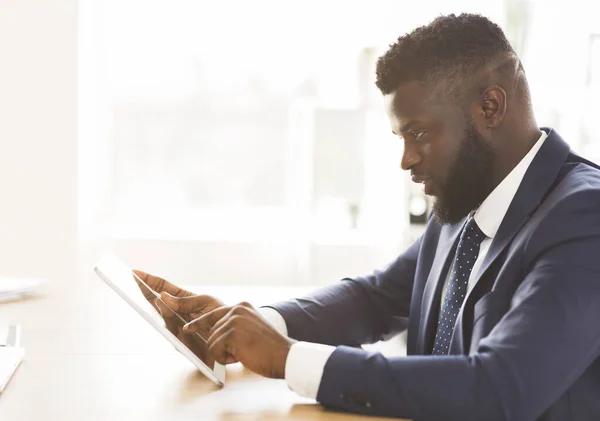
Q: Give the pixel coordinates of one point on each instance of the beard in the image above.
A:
(470, 179)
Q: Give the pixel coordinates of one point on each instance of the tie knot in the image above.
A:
(472, 233)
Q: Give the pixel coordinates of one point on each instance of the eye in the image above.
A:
(417, 134)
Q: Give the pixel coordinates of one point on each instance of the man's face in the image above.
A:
(442, 150)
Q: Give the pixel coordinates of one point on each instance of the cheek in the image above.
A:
(439, 158)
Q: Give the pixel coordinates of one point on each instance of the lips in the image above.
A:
(426, 182)
(419, 179)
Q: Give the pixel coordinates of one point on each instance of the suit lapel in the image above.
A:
(538, 179)
(431, 295)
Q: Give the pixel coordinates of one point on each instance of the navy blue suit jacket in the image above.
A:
(527, 342)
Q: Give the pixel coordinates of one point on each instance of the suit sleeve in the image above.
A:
(355, 311)
(547, 339)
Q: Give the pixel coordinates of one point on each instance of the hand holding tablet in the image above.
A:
(179, 307)
(152, 297)
(201, 327)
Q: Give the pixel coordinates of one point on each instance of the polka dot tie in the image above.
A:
(466, 255)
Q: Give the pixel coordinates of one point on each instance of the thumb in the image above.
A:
(170, 300)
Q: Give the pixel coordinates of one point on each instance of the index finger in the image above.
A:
(204, 323)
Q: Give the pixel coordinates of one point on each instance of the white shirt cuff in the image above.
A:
(274, 318)
(304, 367)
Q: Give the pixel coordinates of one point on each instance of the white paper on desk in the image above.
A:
(10, 358)
(14, 288)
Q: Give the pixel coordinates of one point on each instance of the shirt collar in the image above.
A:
(490, 214)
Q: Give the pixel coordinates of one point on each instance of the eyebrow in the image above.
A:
(408, 125)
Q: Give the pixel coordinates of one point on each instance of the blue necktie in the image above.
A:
(466, 255)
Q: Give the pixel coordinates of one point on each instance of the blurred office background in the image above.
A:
(235, 142)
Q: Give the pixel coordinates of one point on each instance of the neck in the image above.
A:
(515, 146)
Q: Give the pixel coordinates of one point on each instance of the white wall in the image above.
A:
(244, 263)
(38, 149)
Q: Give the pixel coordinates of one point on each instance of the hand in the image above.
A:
(186, 304)
(240, 332)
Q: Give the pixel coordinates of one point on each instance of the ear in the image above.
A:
(490, 109)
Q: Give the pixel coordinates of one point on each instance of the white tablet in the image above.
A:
(120, 278)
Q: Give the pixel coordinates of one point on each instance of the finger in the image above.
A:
(146, 292)
(171, 321)
(230, 359)
(190, 304)
(228, 323)
(196, 345)
(159, 284)
(169, 305)
(241, 309)
(219, 346)
(200, 348)
(225, 328)
(205, 323)
(165, 311)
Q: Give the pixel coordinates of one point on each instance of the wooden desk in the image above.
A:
(90, 357)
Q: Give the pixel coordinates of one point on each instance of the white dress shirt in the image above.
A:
(306, 361)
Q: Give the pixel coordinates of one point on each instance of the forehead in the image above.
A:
(413, 102)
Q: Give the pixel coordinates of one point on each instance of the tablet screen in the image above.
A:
(129, 286)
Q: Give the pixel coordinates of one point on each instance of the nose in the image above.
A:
(410, 156)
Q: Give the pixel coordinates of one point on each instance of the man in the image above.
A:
(501, 294)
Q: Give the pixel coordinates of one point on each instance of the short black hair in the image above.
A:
(448, 50)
